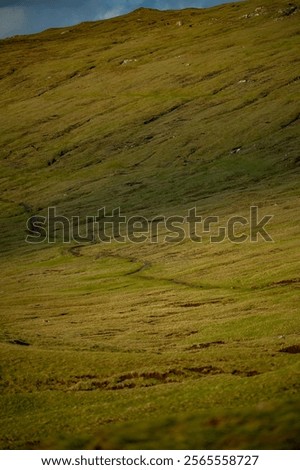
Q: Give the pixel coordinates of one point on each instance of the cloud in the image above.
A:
(31, 16)
(12, 20)
(117, 11)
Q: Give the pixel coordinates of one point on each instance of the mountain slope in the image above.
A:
(186, 95)
(153, 112)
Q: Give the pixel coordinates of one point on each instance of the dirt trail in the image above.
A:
(76, 251)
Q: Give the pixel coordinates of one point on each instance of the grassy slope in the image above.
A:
(185, 353)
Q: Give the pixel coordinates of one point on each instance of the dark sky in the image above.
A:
(31, 16)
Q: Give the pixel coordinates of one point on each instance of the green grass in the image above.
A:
(154, 345)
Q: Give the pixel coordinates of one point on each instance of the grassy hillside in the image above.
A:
(152, 345)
